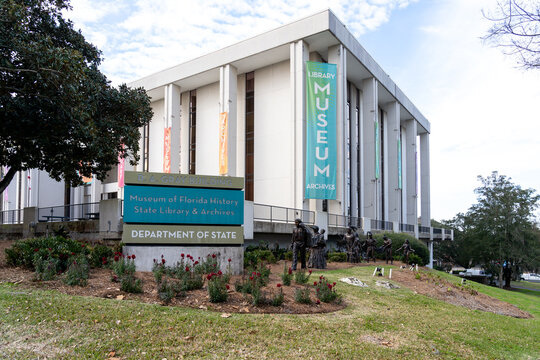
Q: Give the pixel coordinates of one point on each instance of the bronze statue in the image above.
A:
(407, 249)
(351, 240)
(387, 248)
(300, 238)
(370, 244)
(317, 258)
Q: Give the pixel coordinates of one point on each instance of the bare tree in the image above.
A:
(516, 28)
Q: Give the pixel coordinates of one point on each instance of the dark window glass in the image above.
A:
(250, 134)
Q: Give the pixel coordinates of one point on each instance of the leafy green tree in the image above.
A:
(58, 112)
(500, 231)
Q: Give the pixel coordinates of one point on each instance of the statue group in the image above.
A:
(304, 238)
(309, 238)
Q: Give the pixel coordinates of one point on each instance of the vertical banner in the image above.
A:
(400, 178)
(167, 150)
(223, 127)
(121, 168)
(377, 150)
(321, 146)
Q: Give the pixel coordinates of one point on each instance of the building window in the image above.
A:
(192, 130)
(146, 146)
(250, 133)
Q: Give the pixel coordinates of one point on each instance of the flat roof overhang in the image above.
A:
(320, 31)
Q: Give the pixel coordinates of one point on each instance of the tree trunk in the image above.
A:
(7, 179)
(501, 275)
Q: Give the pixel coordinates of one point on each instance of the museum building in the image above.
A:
(245, 111)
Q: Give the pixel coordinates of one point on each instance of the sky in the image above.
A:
(484, 110)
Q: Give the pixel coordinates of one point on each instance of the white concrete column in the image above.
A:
(410, 169)
(227, 103)
(391, 163)
(370, 116)
(430, 246)
(299, 54)
(353, 126)
(172, 120)
(184, 133)
(337, 55)
(425, 180)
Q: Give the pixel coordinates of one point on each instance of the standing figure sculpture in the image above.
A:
(370, 244)
(300, 238)
(387, 248)
(311, 245)
(353, 245)
(318, 251)
(407, 249)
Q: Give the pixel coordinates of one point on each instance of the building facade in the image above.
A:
(382, 174)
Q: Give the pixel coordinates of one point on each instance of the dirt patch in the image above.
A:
(438, 288)
(100, 285)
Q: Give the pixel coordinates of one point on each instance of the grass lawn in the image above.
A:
(378, 324)
(526, 284)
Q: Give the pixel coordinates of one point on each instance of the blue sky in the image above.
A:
(484, 111)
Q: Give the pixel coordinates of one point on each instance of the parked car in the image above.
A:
(530, 276)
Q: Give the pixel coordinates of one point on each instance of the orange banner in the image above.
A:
(223, 126)
(167, 150)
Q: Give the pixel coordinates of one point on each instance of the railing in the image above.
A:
(345, 221)
(423, 229)
(273, 213)
(406, 228)
(11, 216)
(381, 225)
(74, 212)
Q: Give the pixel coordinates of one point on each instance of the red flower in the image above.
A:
(251, 278)
(163, 261)
(133, 256)
(290, 271)
(334, 284)
(36, 250)
(187, 268)
(103, 258)
(83, 245)
(214, 265)
(227, 286)
(321, 277)
(195, 263)
(315, 283)
(116, 258)
(310, 271)
(129, 257)
(330, 286)
(258, 274)
(104, 262)
(162, 256)
(318, 302)
(71, 253)
(213, 256)
(182, 255)
(229, 260)
(155, 261)
(209, 276)
(278, 285)
(219, 273)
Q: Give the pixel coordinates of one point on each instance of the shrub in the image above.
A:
(46, 268)
(254, 256)
(278, 298)
(167, 290)
(23, 252)
(100, 256)
(124, 268)
(302, 296)
(217, 287)
(415, 259)
(287, 275)
(300, 276)
(288, 255)
(252, 285)
(326, 292)
(77, 272)
(337, 257)
(420, 249)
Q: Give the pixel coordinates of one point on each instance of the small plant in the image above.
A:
(326, 292)
(300, 276)
(301, 296)
(77, 272)
(167, 290)
(46, 267)
(337, 257)
(277, 300)
(287, 275)
(417, 276)
(124, 269)
(217, 287)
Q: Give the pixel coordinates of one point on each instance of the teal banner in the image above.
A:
(168, 205)
(321, 147)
